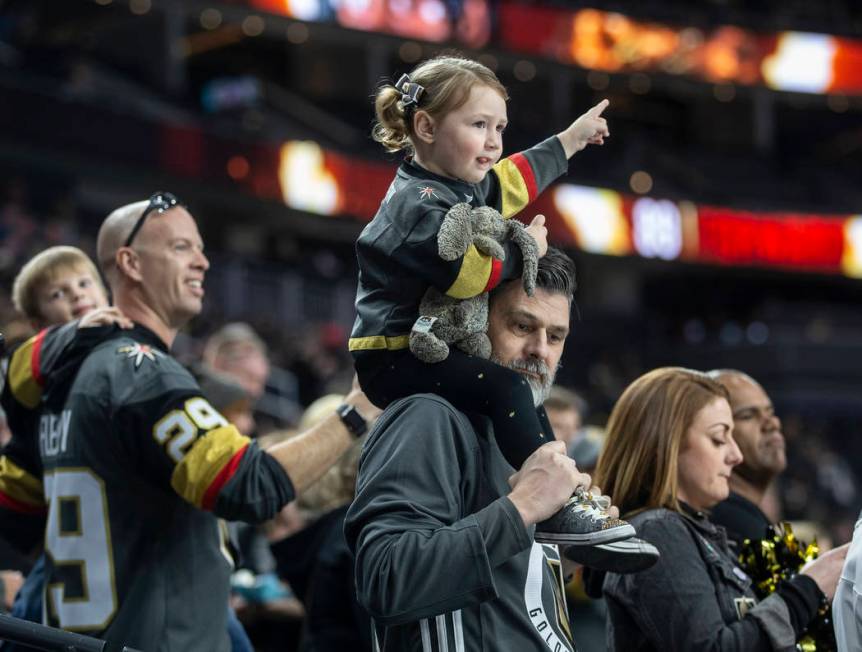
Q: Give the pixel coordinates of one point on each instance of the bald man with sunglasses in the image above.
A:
(134, 467)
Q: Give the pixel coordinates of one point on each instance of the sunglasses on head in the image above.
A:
(159, 203)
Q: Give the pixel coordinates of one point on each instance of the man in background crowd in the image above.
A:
(566, 412)
(236, 350)
(757, 431)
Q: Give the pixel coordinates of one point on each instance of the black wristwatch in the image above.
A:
(352, 420)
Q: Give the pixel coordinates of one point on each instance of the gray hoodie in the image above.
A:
(443, 559)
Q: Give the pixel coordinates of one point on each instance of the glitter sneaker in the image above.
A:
(583, 521)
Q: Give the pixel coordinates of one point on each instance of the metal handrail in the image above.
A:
(51, 639)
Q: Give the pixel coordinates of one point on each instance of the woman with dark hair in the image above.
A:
(667, 460)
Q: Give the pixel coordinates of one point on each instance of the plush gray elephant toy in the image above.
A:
(445, 321)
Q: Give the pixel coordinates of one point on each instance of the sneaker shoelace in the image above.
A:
(595, 508)
(600, 503)
(588, 510)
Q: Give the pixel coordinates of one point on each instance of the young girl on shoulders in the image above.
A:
(449, 116)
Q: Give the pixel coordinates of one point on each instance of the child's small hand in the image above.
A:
(105, 317)
(540, 234)
(590, 129)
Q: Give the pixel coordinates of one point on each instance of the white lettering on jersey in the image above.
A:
(54, 433)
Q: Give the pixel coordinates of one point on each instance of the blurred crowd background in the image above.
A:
(720, 225)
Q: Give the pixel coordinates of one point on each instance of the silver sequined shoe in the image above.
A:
(583, 521)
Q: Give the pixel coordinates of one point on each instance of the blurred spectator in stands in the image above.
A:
(17, 226)
(238, 351)
(317, 561)
(55, 286)
(566, 411)
(228, 396)
(302, 554)
(322, 363)
(819, 481)
(235, 349)
(257, 594)
(10, 580)
(757, 431)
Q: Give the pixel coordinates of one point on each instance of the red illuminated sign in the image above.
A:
(811, 242)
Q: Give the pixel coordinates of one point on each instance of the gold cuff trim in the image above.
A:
(379, 343)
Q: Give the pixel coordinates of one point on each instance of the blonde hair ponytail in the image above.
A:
(390, 130)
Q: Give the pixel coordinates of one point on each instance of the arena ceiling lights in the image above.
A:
(612, 42)
(605, 41)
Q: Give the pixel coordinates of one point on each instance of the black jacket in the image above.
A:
(741, 518)
(697, 598)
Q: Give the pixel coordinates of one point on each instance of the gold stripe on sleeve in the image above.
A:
(19, 485)
(379, 342)
(473, 277)
(204, 461)
(513, 190)
(22, 384)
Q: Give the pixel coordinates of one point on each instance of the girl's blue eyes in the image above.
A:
(481, 124)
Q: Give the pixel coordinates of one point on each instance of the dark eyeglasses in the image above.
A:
(159, 203)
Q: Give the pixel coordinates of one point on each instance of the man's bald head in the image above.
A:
(730, 376)
(113, 233)
(158, 280)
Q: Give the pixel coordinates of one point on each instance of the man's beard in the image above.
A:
(540, 388)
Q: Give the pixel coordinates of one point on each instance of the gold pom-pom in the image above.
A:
(779, 557)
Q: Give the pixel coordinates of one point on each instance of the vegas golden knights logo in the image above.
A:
(556, 567)
(553, 627)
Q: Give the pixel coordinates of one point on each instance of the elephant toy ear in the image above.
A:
(456, 233)
(489, 229)
(487, 245)
(529, 252)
